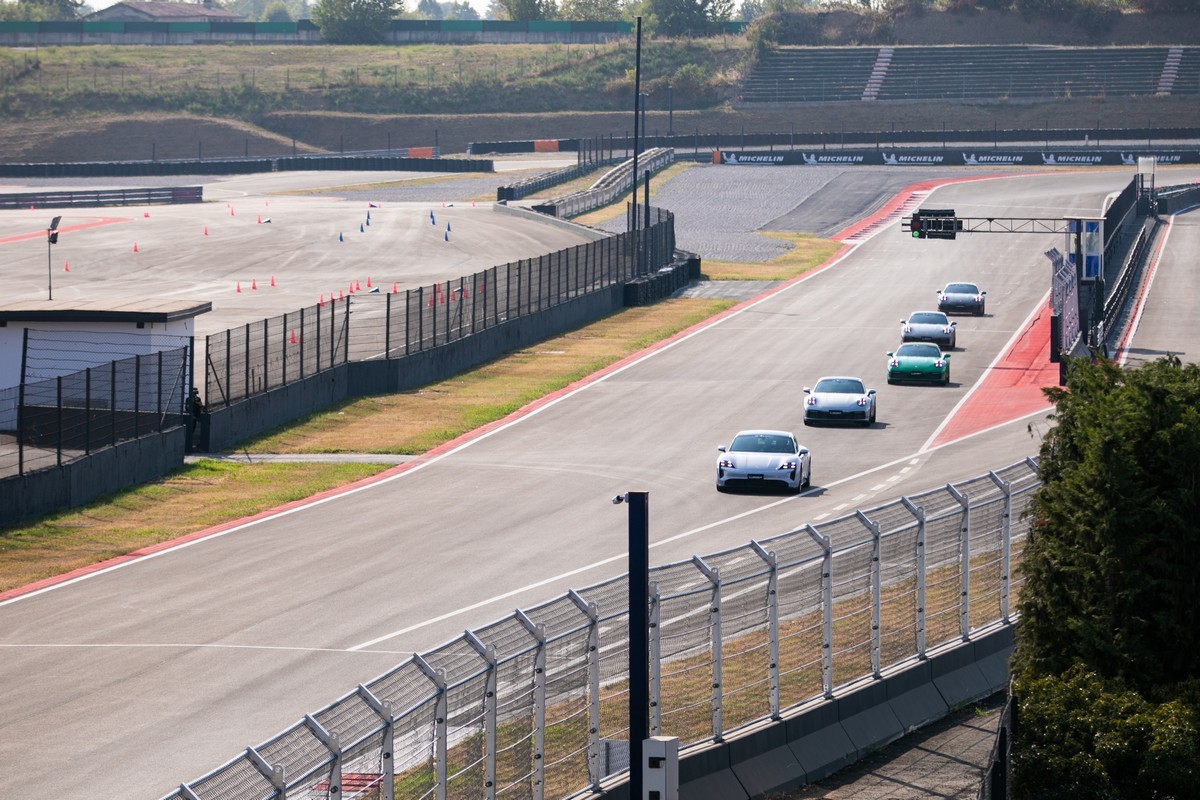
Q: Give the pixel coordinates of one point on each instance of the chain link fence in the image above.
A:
(535, 705)
(48, 423)
(365, 324)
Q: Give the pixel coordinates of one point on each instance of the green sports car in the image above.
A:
(918, 362)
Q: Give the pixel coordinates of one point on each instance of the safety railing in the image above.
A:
(611, 185)
(535, 704)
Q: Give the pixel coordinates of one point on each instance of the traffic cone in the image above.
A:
(463, 293)
(340, 295)
(294, 340)
(146, 214)
(358, 285)
(272, 280)
(360, 228)
(393, 287)
(368, 281)
(239, 287)
(206, 230)
(231, 211)
(66, 266)
(432, 300)
(368, 216)
(368, 222)
(340, 237)
(447, 227)
(446, 236)
(31, 208)
(321, 301)
(254, 283)
(260, 219)
(135, 247)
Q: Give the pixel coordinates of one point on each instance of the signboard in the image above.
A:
(916, 157)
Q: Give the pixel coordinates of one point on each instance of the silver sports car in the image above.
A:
(764, 459)
(929, 326)
(839, 399)
(965, 297)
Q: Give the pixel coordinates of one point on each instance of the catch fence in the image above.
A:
(51, 422)
(534, 705)
(362, 325)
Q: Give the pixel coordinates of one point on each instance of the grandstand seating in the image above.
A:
(1020, 73)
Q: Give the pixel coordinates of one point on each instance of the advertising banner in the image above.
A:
(915, 157)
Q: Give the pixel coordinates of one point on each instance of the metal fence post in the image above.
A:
(272, 773)
(964, 606)
(112, 402)
(655, 648)
(1005, 545)
(826, 609)
(333, 744)
(440, 713)
(919, 513)
(246, 361)
(87, 411)
(21, 426)
(388, 746)
(266, 364)
(594, 752)
(283, 348)
(387, 327)
(159, 387)
(58, 421)
(772, 625)
(137, 395)
(876, 590)
(301, 344)
(488, 653)
(346, 333)
(538, 632)
(714, 621)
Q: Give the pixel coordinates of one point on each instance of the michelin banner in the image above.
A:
(952, 158)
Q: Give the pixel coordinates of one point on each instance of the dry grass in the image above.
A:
(617, 208)
(807, 252)
(413, 422)
(191, 498)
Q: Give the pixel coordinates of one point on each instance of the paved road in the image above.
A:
(125, 684)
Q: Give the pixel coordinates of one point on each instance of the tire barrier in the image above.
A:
(104, 197)
(919, 157)
(242, 166)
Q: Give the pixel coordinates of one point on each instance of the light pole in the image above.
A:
(670, 111)
(639, 632)
(51, 239)
(642, 98)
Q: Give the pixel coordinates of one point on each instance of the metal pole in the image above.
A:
(637, 93)
(639, 644)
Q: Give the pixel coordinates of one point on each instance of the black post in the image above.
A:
(670, 112)
(58, 420)
(639, 638)
(637, 94)
(646, 236)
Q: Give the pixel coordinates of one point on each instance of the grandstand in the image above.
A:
(1019, 73)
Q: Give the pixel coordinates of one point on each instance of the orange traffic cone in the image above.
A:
(206, 230)
(272, 280)
(66, 266)
(260, 219)
(321, 301)
(294, 340)
(368, 281)
(393, 287)
(358, 286)
(340, 296)
(146, 214)
(254, 283)
(135, 247)
(239, 287)
(231, 211)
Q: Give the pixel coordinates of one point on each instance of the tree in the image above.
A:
(602, 10)
(355, 21)
(690, 17)
(41, 10)
(524, 10)
(429, 9)
(1110, 569)
(459, 10)
(277, 11)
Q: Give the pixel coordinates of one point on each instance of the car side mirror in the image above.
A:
(953, 324)
(721, 449)
(871, 392)
(983, 293)
(891, 355)
(807, 390)
(803, 451)
(946, 356)
(903, 322)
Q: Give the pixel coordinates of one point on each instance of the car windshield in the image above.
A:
(762, 443)
(962, 288)
(918, 351)
(927, 318)
(839, 386)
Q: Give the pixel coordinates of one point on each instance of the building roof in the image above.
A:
(167, 12)
(102, 310)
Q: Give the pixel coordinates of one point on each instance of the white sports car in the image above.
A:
(839, 399)
(764, 459)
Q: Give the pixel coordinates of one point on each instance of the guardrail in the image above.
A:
(532, 705)
(103, 197)
(611, 185)
(240, 166)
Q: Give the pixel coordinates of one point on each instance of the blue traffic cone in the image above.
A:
(340, 237)
(446, 236)
(447, 227)
(360, 228)
(368, 220)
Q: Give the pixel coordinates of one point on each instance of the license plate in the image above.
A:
(754, 477)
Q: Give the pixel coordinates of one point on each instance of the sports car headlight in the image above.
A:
(939, 363)
(789, 464)
(946, 329)
(862, 401)
(978, 298)
(943, 298)
(907, 328)
(726, 463)
(812, 401)
(895, 362)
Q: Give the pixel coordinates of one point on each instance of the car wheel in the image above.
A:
(946, 378)
(980, 314)
(807, 482)
(871, 421)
